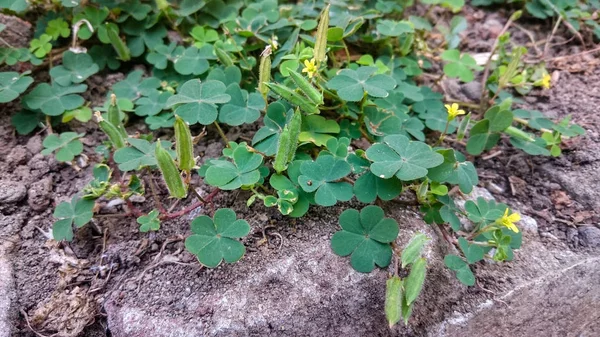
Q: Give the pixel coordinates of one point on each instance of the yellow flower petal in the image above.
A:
(514, 217)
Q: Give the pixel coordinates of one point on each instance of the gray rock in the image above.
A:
(17, 156)
(39, 194)
(589, 236)
(7, 295)
(528, 224)
(12, 191)
(34, 145)
(472, 90)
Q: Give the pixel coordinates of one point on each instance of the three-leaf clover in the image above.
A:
(243, 171)
(76, 68)
(317, 129)
(242, 108)
(41, 46)
(366, 236)
(140, 154)
(12, 85)
(407, 160)
(461, 268)
(322, 175)
(394, 28)
(67, 145)
(78, 212)
(198, 101)
(149, 222)
(460, 66)
(351, 85)
(267, 137)
(214, 240)
(53, 100)
(58, 28)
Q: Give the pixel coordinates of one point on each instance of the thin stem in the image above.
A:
(190, 208)
(159, 204)
(441, 139)
(221, 133)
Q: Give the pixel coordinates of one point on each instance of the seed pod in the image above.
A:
(264, 71)
(224, 57)
(114, 115)
(306, 88)
(462, 128)
(118, 44)
(170, 174)
(281, 157)
(294, 98)
(115, 137)
(393, 300)
(288, 143)
(519, 134)
(184, 145)
(320, 48)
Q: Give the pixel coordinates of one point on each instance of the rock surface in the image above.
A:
(589, 236)
(12, 191)
(7, 295)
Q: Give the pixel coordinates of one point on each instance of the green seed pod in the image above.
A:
(518, 133)
(294, 98)
(115, 137)
(264, 72)
(320, 48)
(225, 59)
(118, 44)
(288, 143)
(306, 88)
(462, 128)
(184, 145)
(393, 300)
(114, 115)
(170, 174)
(282, 155)
(295, 127)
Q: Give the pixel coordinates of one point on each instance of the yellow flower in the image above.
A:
(508, 221)
(310, 67)
(453, 111)
(546, 81)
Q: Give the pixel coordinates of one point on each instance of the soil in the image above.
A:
(112, 276)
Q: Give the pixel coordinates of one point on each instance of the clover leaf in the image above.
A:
(267, 137)
(67, 145)
(282, 183)
(149, 222)
(463, 272)
(455, 170)
(76, 68)
(193, 60)
(161, 54)
(242, 108)
(460, 66)
(58, 28)
(162, 120)
(152, 104)
(481, 138)
(394, 28)
(134, 86)
(407, 160)
(322, 175)
(140, 154)
(215, 240)
(78, 212)
(369, 186)
(198, 101)
(41, 46)
(316, 129)
(366, 236)
(474, 253)
(243, 171)
(53, 100)
(12, 85)
(351, 85)
(484, 211)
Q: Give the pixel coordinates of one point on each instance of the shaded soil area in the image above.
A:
(148, 283)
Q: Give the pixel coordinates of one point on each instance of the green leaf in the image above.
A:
(335, 34)
(215, 240)
(134, 86)
(473, 252)
(463, 272)
(76, 68)
(78, 212)
(243, 171)
(203, 35)
(193, 60)
(267, 138)
(198, 101)
(499, 119)
(394, 28)
(152, 104)
(242, 108)
(393, 300)
(322, 175)
(26, 121)
(162, 120)
(351, 85)
(366, 237)
(54, 100)
(67, 145)
(407, 160)
(481, 138)
(14, 5)
(12, 85)
(139, 155)
(149, 222)
(316, 129)
(460, 66)
(82, 114)
(484, 211)
(368, 187)
(58, 28)
(414, 282)
(413, 250)
(41, 46)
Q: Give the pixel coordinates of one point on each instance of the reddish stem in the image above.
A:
(190, 208)
(134, 210)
